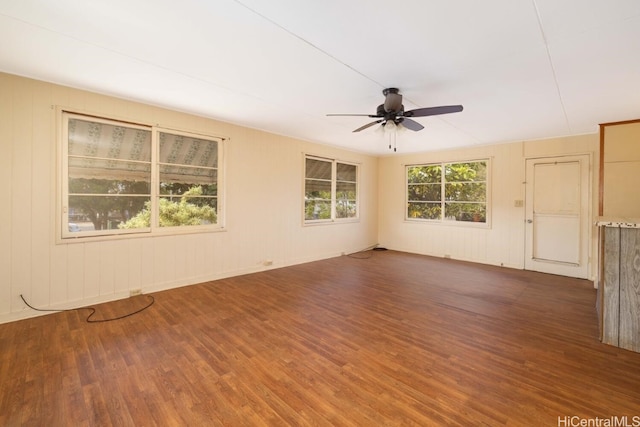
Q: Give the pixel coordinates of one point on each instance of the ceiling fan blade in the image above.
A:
(368, 125)
(392, 102)
(412, 124)
(355, 115)
(433, 111)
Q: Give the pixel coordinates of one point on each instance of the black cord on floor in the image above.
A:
(359, 257)
(93, 310)
(375, 248)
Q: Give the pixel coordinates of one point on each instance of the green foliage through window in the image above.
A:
(188, 210)
(448, 191)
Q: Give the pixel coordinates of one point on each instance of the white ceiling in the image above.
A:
(523, 69)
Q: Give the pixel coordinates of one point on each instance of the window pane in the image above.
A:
(345, 190)
(188, 181)
(424, 174)
(318, 169)
(181, 175)
(317, 189)
(106, 186)
(466, 172)
(109, 141)
(187, 211)
(345, 172)
(178, 189)
(345, 208)
(425, 192)
(104, 212)
(470, 212)
(108, 175)
(187, 150)
(424, 210)
(346, 195)
(346, 200)
(317, 209)
(83, 167)
(330, 193)
(466, 192)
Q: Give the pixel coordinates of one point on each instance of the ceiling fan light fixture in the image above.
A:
(390, 126)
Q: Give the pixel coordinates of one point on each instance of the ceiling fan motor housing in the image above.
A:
(389, 114)
(392, 101)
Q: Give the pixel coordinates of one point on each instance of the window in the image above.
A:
(122, 178)
(188, 192)
(330, 190)
(448, 191)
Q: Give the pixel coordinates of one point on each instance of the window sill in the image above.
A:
(174, 231)
(330, 222)
(450, 223)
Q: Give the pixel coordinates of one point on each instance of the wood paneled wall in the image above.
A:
(264, 179)
(501, 243)
(621, 290)
(263, 207)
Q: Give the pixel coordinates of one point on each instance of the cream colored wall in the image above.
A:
(263, 207)
(263, 170)
(621, 164)
(503, 242)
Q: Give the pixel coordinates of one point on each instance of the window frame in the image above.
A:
(443, 198)
(63, 235)
(333, 219)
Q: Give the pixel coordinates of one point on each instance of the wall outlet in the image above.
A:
(267, 262)
(518, 203)
(134, 292)
(447, 256)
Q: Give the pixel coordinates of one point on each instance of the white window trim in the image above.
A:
(486, 224)
(63, 236)
(333, 219)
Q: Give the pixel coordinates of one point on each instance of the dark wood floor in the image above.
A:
(391, 339)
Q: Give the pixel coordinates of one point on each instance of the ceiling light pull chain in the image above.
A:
(393, 139)
(395, 134)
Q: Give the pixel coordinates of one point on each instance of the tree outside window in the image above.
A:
(448, 191)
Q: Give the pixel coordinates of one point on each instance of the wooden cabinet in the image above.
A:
(619, 283)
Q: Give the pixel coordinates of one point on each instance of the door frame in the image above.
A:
(586, 246)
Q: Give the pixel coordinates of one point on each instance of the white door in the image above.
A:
(557, 215)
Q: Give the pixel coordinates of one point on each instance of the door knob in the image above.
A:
(529, 221)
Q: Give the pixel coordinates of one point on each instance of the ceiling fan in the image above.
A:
(393, 111)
